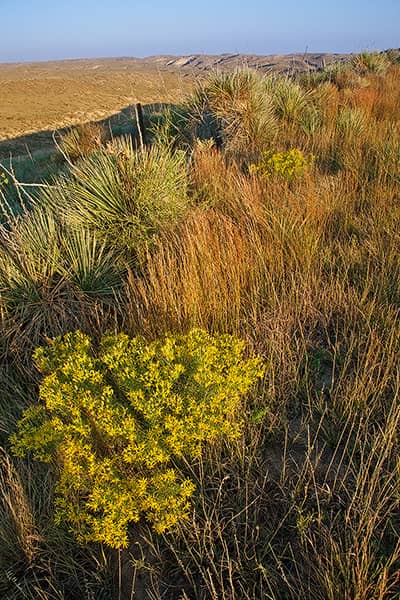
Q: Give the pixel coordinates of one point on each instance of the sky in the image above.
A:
(33, 30)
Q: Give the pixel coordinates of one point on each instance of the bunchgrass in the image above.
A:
(82, 140)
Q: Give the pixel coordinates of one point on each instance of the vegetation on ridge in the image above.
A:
(303, 503)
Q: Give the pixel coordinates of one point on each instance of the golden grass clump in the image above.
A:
(82, 140)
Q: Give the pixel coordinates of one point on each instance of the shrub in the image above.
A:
(81, 140)
(53, 278)
(288, 164)
(124, 195)
(290, 100)
(115, 423)
(370, 62)
(234, 109)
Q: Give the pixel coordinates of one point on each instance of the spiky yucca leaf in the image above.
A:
(352, 122)
(125, 195)
(290, 100)
(50, 275)
(237, 110)
(87, 262)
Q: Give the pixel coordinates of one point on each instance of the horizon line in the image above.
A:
(149, 56)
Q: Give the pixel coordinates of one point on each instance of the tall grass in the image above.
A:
(306, 504)
(82, 140)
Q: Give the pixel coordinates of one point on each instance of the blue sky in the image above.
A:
(55, 29)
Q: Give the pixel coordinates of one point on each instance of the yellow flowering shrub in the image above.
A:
(290, 164)
(114, 421)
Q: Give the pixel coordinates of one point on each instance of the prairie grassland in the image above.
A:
(38, 98)
(303, 265)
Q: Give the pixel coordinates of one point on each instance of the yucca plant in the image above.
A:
(352, 122)
(124, 195)
(51, 277)
(289, 99)
(28, 275)
(88, 263)
(237, 109)
(311, 121)
(370, 62)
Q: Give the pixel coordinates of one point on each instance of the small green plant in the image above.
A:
(288, 164)
(3, 179)
(116, 422)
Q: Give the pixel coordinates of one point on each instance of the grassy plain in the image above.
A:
(42, 97)
(266, 208)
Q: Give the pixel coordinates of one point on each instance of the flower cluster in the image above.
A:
(290, 164)
(114, 422)
(3, 179)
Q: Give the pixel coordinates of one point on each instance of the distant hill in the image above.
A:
(191, 64)
(297, 63)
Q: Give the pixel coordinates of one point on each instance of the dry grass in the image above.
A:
(305, 506)
(68, 93)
